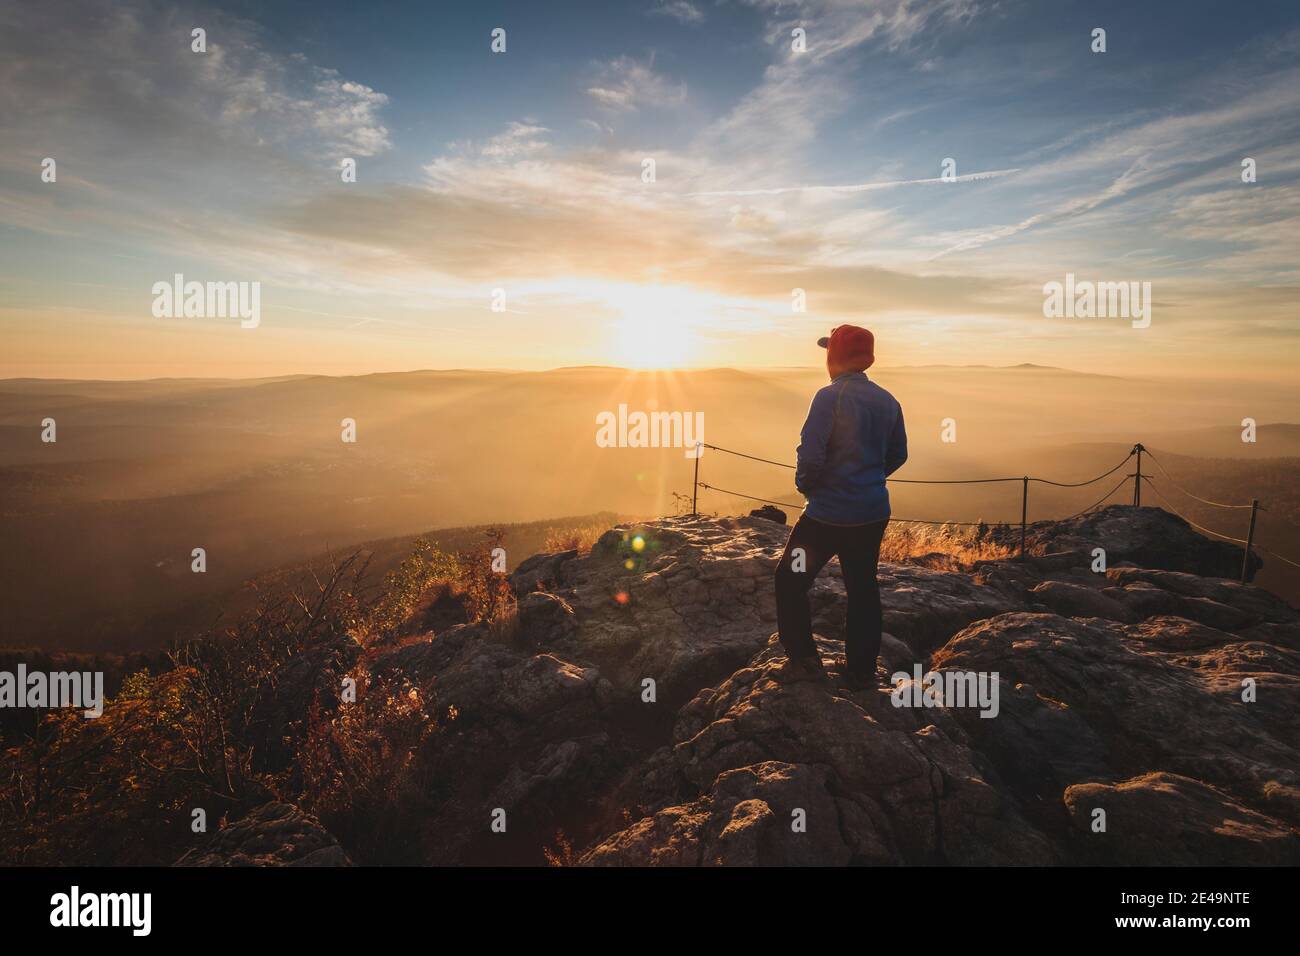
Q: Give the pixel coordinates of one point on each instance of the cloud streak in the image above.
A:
(857, 187)
(625, 84)
(230, 162)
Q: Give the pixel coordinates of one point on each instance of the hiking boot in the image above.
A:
(840, 668)
(860, 680)
(802, 668)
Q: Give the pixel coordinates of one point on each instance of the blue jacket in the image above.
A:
(853, 439)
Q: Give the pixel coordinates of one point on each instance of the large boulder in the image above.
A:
(1215, 601)
(526, 734)
(1146, 537)
(1184, 712)
(748, 819)
(421, 660)
(540, 571)
(545, 619)
(866, 781)
(1164, 819)
(686, 601)
(770, 512)
(274, 834)
(1075, 600)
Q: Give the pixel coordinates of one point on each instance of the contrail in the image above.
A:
(859, 187)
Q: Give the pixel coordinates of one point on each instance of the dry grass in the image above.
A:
(941, 546)
(561, 853)
(503, 627)
(578, 538)
(359, 772)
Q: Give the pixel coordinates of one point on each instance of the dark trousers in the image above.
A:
(858, 547)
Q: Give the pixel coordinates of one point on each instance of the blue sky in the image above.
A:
(521, 171)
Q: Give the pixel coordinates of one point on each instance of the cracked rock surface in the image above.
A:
(644, 709)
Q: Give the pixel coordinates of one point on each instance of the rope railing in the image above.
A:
(942, 481)
(1198, 527)
(896, 518)
(1139, 480)
(1204, 501)
(1099, 502)
(1250, 544)
(1274, 554)
(791, 504)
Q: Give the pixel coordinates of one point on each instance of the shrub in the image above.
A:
(488, 598)
(406, 586)
(359, 768)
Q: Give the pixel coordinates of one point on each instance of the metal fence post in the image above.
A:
(1250, 540)
(695, 485)
(1024, 511)
(1137, 478)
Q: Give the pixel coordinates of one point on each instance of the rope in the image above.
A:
(767, 501)
(1045, 481)
(741, 454)
(790, 504)
(1205, 501)
(951, 481)
(1271, 554)
(1122, 482)
(1080, 484)
(938, 481)
(1253, 546)
(1187, 519)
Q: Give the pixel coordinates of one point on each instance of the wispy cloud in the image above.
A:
(1174, 158)
(1064, 210)
(773, 125)
(134, 86)
(680, 10)
(229, 160)
(858, 187)
(626, 84)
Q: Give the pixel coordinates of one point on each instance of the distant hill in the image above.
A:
(1273, 440)
(143, 619)
(97, 529)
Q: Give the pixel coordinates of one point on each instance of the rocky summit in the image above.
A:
(641, 712)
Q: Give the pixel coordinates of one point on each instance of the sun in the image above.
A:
(659, 325)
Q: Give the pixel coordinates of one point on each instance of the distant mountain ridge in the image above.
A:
(257, 472)
(30, 382)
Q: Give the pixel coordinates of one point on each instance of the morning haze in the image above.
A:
(257, 473)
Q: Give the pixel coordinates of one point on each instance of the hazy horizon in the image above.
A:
(102, 522)
(875, 370)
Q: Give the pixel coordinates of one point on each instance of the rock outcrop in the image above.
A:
(274, 834)
(1179, 821)
(1145, 537)
(823, 774)
(642, 712)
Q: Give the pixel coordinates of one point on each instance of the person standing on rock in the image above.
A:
(852, 441)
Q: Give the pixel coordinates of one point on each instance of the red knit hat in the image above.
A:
(849, 347)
